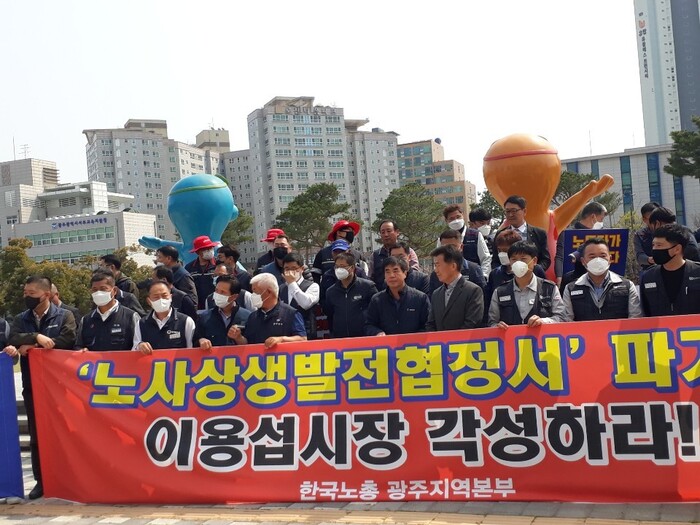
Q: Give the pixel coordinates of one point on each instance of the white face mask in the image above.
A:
(159, 264)
(101, 298)
(256, 300)
(503, 258)
(456, 224)
(598, 266)
(484, 230)
(519, 268)
(598, 225)
(208, 254)
(342, 273)
(161, 305)
(221, 300)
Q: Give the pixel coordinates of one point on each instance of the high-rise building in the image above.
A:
(668, 43)
(22, 181)
(640, 178)
(295, 144)
(139, 159)
(424, 162)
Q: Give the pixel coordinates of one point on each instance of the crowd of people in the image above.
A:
(480, 278)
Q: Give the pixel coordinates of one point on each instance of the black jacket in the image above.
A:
(538, 237)
(211, 326)
(655, 301)
(346, 308)
(407, 316)
(203, 277)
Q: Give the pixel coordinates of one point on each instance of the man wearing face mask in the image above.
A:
(342, 230)
(672, 286)
(600, 293)
(273, 322)
(662, 216)
(164, 327)
(222, 325)
(299, 292)
(169, 257)
(348, 298)
(44, 325)
(110, 326)
(267, 257)
(527, 299)
(480, 219)
(282, 247)
(182, 302)
(474, 247)
(329, 277)
(591, 218)
(202, 268)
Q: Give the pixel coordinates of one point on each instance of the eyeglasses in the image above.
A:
(512, 211)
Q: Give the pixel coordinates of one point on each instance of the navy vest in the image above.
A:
(172, 335)
(116, 333)
(510, 313)
(470, 245)
(615, 302)
(276, 323)
(308, 315)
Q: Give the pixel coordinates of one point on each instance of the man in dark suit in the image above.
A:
(458, 304)
(515, 209)
(56, 299)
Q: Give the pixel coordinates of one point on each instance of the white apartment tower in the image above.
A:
(139, 159)
(668, 44)
(295, 144)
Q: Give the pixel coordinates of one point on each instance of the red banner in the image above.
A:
(599, 411)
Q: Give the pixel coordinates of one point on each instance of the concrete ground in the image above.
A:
(55, 511)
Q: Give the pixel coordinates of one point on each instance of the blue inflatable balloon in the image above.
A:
(200, 204)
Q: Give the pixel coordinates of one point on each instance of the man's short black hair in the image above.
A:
(649, 207)
(155, 282)
(102, 275)
(479, 214)
(451, 234)
(112, 260)
(594, 241)
(347, 257)
(230, 251)
(673, 233)
(293, 257)
(450, 254)
(234, 284)
(169, 251)
(41, 281)
(392, 221)
(393, 261)
(403, 245)
(662, 215)
(523, 248)
(516, 199)
(592, 208)
(163, 273)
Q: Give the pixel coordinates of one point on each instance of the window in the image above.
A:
(282, 141)
(319, 175)
(336, 164)
(303, 175)
(279, 117)
(285, 175)
(280, 129)
(285, 163)
(285, 187)
(334, 130)
(302, 164)
(335, 152)
(319, 164)
(332, 119)
(283, 152)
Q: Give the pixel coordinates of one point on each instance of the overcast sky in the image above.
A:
(466, 72)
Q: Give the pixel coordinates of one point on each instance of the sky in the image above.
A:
(467, 72)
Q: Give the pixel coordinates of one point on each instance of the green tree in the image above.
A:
(612, 201)
(684, 160)
(490, 204)
(569, 185)
(239, 231)
(632, 222)
(307, 219)
(418, 215)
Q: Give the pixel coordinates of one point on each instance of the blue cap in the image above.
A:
(341, 245)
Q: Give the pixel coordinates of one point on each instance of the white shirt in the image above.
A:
(189, 329)
(305, 299)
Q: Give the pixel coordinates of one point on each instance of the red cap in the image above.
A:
(343, 224)
(202, 242)
(272, 234)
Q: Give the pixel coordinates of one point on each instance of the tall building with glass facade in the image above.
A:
(424, 162)
(668, 44)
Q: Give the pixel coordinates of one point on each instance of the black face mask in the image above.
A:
(279, 252)
(349, 237)
(32, 302)
(662, 256)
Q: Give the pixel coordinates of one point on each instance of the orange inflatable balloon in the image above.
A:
(529, 166)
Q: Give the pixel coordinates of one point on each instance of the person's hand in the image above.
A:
(11, 351)
(272, 341)
(44, 342)
(145, 348)
(235, 333)
(82, 350)
(381, 334)
(502, 325)
(205, 344)
(535, 320)
(290, 276)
